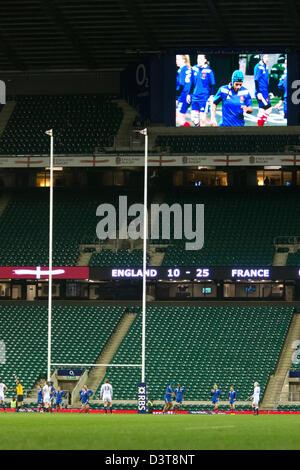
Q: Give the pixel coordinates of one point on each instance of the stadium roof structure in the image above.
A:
(110, 34)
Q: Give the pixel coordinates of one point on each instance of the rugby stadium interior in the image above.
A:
(227, 312)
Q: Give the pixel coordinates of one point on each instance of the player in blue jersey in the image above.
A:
(59, 394)
(201, 91)
(169, 398)
(232, 398)
(282, 86)
(183, 84)
(236, 101)
(82, 399)
(261, 79)
(52, 392)
(215, 395)
(39, 397)
(180, 393)
(87, 393)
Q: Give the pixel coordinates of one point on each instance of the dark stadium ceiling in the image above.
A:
(109, 34)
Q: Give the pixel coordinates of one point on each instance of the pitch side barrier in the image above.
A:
(77, 410)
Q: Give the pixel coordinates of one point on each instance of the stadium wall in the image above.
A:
(54, 83)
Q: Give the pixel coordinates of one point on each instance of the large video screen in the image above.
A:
(231, 90)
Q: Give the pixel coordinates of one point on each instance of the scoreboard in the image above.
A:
(197, 273)
(151, 82)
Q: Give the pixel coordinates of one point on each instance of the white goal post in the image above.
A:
(145, 229)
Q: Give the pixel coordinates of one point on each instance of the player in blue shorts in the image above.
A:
(183, 84)
(232, 398)
(180, 393)
(59, 394)
(236, 101)
(82, 399)
(215, 395)
(282, 86)
(169, 398)
(87, 393)
(52, 392)
(201, 91)
(39, 397)
(261, 79)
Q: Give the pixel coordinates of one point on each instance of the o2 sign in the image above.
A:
(141, 76)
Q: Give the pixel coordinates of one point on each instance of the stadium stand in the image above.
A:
(224, 345)
(80, 123)
(288, 408)
(239, 228)
(220, 144)
(202, 349)
(78, 334)
(24, 226)
(293, 259)
(121, 258)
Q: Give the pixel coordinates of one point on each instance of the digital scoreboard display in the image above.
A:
(233, 89)
(197, 273)
(153, 273)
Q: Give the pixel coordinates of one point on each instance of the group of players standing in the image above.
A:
(179, 393)
(47, 395)
(16, 404)
(49, 398)
(195, 88)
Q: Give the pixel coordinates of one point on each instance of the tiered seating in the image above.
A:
(78, 335)
(288, 407)
(80, 123)
(122, 258)
(24, 228)
(211, 144)
(293, 259)
(200, 346)
(239, 227)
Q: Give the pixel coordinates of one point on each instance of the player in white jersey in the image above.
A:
(46, 396)
(3, 390)
(256, 398)
(106, 392)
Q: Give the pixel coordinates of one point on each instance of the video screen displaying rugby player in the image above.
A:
(231, 90)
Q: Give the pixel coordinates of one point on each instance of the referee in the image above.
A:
(19, 391)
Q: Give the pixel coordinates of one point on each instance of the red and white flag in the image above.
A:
(50, 132)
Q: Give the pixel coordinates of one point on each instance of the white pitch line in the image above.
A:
(209, 427)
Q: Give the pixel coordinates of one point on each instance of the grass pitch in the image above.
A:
(35, 431)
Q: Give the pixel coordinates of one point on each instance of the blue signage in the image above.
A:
(295, 374)
(70, 372)
(142, 398)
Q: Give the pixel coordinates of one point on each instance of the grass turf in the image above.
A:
(24, 431)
